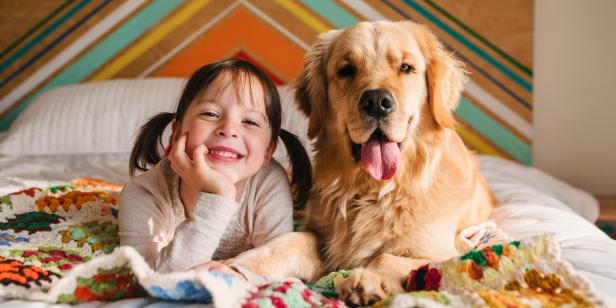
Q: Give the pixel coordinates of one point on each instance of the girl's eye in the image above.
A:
(209, 114)
(252, 123)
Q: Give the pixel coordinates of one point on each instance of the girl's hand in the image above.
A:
(197, 173)
(218, 267)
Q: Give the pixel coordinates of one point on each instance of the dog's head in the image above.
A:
(372, 87)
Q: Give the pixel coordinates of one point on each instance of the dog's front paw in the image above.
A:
(365, 287)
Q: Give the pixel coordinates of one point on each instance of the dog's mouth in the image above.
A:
(379, 155)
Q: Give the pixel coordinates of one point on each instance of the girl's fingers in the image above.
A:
(199, 156)
(178, 156)
(180, 145)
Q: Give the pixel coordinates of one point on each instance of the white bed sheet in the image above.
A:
(42, 171)
(530, 202)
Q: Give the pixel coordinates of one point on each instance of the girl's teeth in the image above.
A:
(225, 154)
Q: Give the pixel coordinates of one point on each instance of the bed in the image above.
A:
(86, 131)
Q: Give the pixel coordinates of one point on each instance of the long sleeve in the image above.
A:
(196, 239)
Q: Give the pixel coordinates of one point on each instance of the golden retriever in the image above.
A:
(394, 183)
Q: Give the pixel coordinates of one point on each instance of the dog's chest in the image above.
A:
(373, 226)
(358, 231)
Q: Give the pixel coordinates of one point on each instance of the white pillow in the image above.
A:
(104, 117)
(99, 117)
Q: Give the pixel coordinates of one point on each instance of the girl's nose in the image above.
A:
(227, 129)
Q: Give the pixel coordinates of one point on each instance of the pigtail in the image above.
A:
(301, 176)
(145, 150)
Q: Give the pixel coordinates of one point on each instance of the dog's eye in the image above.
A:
(406, 68)
(346, 71)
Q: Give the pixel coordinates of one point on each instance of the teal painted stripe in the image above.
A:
(332, 12)
(495, 132)
(6, 63)
(482, 39)
(517, 79)
(103, 52)
(36, 27)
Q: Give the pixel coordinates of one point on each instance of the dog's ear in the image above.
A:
(311, 84)
(445, 76)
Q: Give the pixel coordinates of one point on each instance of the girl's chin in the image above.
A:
(230, 174)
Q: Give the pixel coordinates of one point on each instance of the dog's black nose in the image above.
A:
(376, 103)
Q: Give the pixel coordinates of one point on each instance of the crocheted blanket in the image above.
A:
(60, 244)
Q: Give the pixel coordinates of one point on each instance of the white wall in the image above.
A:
(574, 116)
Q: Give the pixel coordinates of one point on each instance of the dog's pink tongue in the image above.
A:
(380, 158)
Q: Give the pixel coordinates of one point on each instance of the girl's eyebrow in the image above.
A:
(206, 100)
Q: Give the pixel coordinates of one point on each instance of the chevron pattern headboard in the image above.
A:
(45, 44)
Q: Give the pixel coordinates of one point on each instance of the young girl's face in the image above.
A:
(231, 121)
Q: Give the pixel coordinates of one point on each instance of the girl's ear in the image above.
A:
(175, 133)
(270, 152)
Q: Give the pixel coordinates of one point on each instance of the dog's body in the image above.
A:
(394, 183)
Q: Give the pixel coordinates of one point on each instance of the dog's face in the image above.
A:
(370, 87)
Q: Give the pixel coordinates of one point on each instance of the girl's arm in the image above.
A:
(197, 238)
(147, 222)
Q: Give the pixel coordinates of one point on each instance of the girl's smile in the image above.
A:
(224, 154)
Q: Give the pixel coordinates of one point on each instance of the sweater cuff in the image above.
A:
(214, 208)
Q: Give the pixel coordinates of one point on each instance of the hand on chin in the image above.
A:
(222, 168)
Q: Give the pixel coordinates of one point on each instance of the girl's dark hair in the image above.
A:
(149, 139)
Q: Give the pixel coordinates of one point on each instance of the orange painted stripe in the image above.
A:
(241, 29)
(244, 55)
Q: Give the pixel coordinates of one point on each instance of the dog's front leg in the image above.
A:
(294, 254)
(384, 276)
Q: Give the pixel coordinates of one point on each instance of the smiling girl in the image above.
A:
(218, 192)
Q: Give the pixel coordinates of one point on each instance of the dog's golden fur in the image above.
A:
(381, 228)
